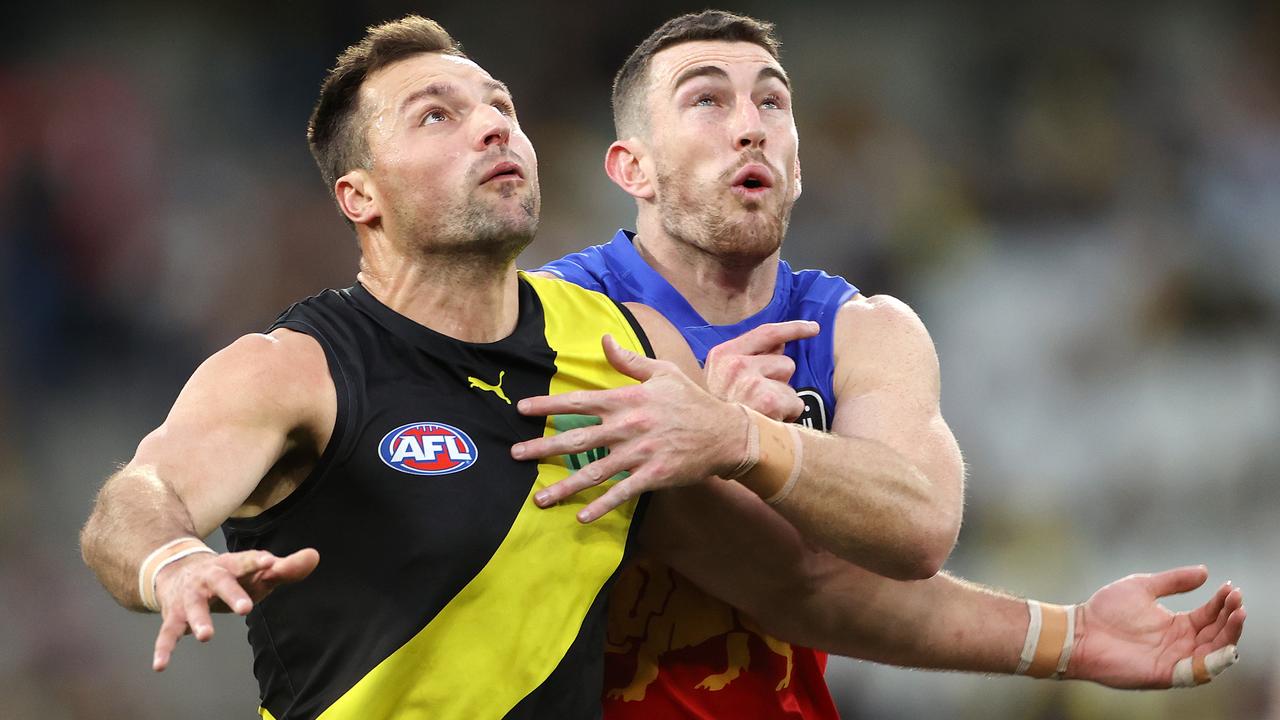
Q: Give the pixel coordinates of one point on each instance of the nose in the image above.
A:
(748, 130)
(494, 127)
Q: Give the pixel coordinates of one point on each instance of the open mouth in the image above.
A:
(503, 171)
(753, 177)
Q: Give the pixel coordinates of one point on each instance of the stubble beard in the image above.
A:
(696, 219)
(473, 232)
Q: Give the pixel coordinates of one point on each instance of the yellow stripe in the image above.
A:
(264, 714)
(503, 634)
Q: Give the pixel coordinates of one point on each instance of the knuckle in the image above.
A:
(635, 423)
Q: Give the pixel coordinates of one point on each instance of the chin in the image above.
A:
(752, 239)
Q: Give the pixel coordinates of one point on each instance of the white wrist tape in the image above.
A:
(1200, 669)
(159, 559)
(1051, 636)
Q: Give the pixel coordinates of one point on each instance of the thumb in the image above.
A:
(293, 567)
(626, 362)
(1178, 580)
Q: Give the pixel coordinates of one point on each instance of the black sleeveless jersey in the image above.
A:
(442, 590)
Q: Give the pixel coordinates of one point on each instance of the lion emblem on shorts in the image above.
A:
(653, 612)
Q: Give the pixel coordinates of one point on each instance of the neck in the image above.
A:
(465, 297)
(723, 291)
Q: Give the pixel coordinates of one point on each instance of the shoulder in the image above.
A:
(664, 338)
(881, 335)
(586, 267)
(281, 373)
(818, 287)
(879, 314)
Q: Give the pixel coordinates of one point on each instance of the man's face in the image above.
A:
(724, 147)
(450, 164)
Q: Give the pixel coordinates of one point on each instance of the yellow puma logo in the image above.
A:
(495, 389)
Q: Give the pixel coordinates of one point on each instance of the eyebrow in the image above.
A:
(444, 89)
(767, 71)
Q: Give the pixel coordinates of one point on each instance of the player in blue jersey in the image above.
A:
(708, 148)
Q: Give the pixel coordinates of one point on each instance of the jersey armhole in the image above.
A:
(340, 439)
(635, 328)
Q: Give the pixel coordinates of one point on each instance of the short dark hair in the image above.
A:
(335, 132)
(630, 85)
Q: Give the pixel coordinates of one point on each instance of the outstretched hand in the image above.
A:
(189, 590)
(1130, 641)
(666, 432)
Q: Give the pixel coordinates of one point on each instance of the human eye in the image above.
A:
(434, 116)
(773, 102)
(705, 99)
(506, 107)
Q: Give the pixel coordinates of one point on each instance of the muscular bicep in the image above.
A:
(887, 385)
(241, 412)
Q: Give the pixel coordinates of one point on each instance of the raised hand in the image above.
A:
(666, 431)
(751, 369)
(1130, 641)
(189, 590)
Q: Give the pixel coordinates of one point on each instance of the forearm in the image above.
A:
(865, 503)
(135, 513)
(943, 623)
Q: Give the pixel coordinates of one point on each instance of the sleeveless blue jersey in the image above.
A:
(617, 270)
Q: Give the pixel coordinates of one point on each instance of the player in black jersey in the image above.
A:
(363, 443)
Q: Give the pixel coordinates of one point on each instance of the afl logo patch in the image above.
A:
(427, 448)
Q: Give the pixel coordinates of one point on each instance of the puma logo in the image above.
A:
(495, 389)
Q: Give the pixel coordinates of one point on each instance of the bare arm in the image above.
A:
(884, 489)
(727, 541)
(242, 410)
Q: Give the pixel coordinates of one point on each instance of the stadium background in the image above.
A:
(1082, 203)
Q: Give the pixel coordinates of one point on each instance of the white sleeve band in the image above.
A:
(1033, 637)
(1210, 666)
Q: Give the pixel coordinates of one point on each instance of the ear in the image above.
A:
(624, 163)
(357, 197)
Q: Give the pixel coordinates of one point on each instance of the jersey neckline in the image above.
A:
(428, 339)
(649, 283)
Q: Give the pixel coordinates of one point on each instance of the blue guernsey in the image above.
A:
(617, 270)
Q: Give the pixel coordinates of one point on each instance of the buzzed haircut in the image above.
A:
(631, 84)
(336, 131)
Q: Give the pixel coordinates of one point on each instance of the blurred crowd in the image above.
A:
(1081, 201)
